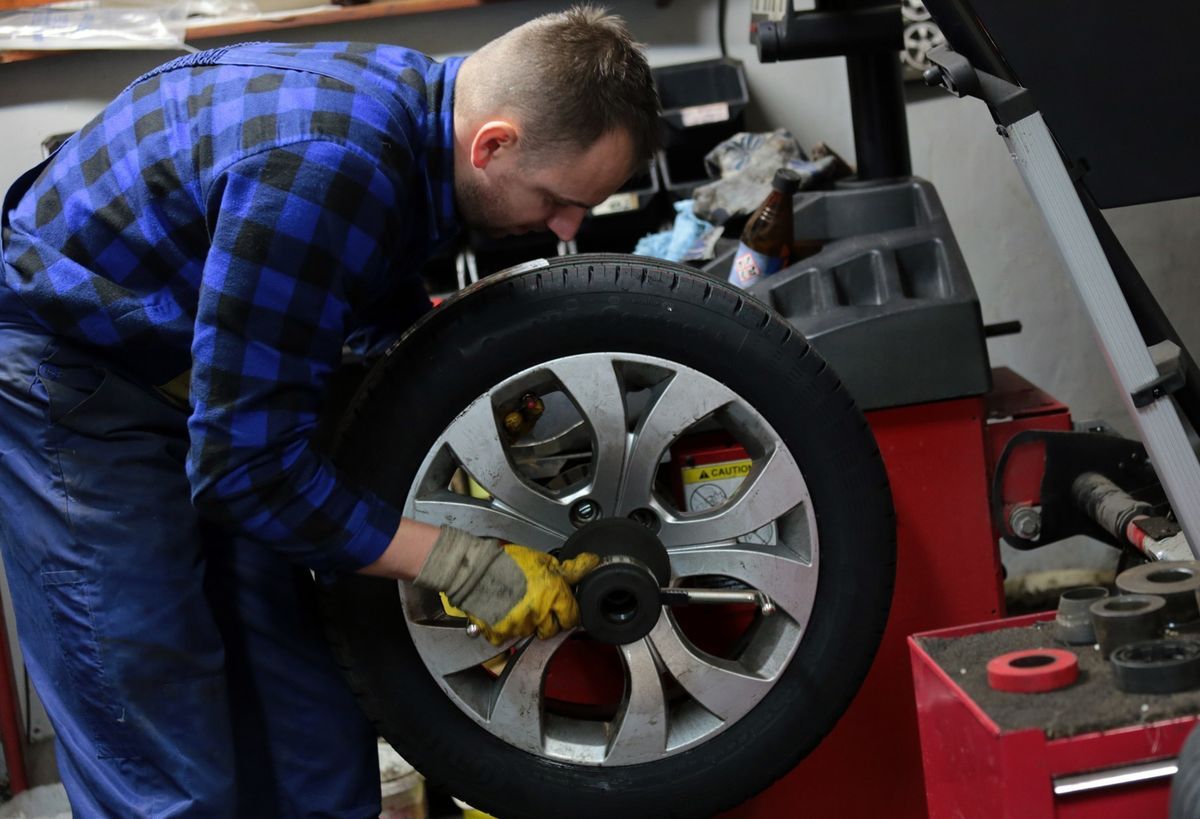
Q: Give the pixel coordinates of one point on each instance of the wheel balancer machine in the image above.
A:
(890, 304)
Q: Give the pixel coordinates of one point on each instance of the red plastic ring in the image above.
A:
(1033, 670)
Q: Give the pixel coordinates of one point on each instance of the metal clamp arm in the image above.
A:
(1007, 101)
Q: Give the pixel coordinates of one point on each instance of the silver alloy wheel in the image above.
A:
(633, 407)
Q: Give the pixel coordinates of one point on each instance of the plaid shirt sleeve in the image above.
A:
(299, 233)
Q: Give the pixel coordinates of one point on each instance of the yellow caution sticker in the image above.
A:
(717, 472)
(712, 485)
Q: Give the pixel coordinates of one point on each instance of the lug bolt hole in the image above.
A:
(646, 517)
(584, 512)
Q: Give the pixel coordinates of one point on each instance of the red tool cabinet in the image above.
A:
(975, 769)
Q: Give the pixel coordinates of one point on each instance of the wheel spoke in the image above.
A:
(483, 519)
(770, 491)
(599, 397)
(641, 727)
(790, 583)
(684, 400)
(516, 712)
(447, 648)
(475, 441)
(721, 686)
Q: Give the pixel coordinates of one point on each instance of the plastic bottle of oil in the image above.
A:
(767, 239)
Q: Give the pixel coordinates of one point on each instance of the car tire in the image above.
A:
(618, 305)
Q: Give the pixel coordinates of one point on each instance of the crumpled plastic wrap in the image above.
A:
(746, 163)
(691, 239)
(110, 24)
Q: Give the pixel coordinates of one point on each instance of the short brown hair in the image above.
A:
(570, 77)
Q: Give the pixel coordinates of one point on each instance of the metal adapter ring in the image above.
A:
(1126, 618)
(1033, 670)
(1157, 666)
(1073, 622)
(1176, 581)
(619, 601)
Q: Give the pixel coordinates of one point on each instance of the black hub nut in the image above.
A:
(619, 602)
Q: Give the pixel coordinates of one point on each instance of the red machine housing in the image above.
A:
(975, 769)
(939, 458)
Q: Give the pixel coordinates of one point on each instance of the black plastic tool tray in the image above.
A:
(639, 194)
(888, 301)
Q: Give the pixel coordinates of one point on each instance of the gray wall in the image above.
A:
(62, 92)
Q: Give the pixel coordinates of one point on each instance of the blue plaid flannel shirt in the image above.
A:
(229, 222)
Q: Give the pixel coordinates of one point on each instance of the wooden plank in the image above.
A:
(21, 56)
(283, 20)
(9, 5)
(335, 14)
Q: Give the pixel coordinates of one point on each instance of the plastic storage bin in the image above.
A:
(682, 171)
(703, 103)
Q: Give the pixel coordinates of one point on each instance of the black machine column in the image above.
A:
(869, 35)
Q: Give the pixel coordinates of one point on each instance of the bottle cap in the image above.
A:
(786, 181)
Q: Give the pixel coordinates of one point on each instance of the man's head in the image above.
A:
(549, 120)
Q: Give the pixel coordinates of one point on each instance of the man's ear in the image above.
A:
(492, 138)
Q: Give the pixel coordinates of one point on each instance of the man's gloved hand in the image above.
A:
(507, 591)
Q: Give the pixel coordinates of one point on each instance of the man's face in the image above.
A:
(515, 194)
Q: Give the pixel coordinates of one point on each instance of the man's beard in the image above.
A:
(479, 207)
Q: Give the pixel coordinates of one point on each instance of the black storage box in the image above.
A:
(682, 170)
(703, 103)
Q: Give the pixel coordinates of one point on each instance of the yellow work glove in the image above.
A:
(548, 605)
(507, 591)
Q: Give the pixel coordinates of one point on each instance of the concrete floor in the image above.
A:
(42, 802)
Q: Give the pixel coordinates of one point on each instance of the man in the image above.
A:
(179, 282)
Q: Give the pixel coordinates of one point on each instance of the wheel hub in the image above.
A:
(676, 694)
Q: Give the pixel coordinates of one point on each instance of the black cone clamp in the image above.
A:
(619, 602)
